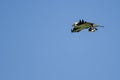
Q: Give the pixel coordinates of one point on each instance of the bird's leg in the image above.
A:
(92, 29)
(96, 29)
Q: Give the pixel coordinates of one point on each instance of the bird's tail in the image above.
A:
(98, 26)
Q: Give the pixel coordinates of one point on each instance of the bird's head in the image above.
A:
(75, 24)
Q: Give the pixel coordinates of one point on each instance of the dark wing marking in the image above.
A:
(81, 22)
(76, 30)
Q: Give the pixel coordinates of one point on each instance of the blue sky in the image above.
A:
(36, 42)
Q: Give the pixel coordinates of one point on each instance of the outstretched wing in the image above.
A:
(81, 26)
(76, 29)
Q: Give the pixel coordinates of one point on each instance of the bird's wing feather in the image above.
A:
(84, 26)
(81, 27)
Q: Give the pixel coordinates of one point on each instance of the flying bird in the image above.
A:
(81, 25)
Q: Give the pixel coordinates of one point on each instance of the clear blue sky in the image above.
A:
(36, 42)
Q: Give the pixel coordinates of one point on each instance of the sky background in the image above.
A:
(36, 42)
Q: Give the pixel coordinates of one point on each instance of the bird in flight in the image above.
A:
(81, 25)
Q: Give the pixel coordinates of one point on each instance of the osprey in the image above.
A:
(81, 25)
